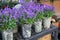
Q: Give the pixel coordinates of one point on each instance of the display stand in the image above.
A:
(53, 30)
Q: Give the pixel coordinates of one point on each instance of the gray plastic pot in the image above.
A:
(38, 26)
(26, 30)
(47, 22)
(7, 35)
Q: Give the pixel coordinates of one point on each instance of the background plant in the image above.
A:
(39, 11)
(9, 4)
(8, 19)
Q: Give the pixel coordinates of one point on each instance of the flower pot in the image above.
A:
(38, 26)
(47, 22)
(26, 30)
(7, 35)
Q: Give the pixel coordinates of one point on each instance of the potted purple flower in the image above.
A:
(35, 12)
(27, 18)
(48, 13)
(38, 18)
(9, 23)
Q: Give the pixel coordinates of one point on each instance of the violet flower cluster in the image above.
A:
(9, 17)
(27, 10)
(48, 7)
(11, 13)
(31, 9)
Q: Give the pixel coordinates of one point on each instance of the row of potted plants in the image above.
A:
(29, 13)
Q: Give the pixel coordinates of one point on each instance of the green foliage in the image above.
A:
(9, 24)
(31, 20)
(1, 24)
(9, 4)
(28, 20)
(48, 14)
(27, 0)
(21, 21)
(39, 16)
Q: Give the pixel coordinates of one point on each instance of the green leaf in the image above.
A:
(27, 0)
(48, 14)
(30, 20)
(39, 16)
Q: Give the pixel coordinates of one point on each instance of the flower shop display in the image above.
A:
(48, 13)
(28, 13)
(31, 15)
(27, 17)
(39, 18)
(9, 23)
(38, 24)
(35, 13)
(36, 9)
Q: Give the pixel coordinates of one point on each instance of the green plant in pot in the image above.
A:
(38, 8)
(26, 18)
(38, 22)
(48, 13)
(26, 21)
(9, 23)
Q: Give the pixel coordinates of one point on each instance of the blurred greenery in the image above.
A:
(48, 14)
(9, 4)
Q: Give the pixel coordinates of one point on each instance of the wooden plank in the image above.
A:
(46, 37)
